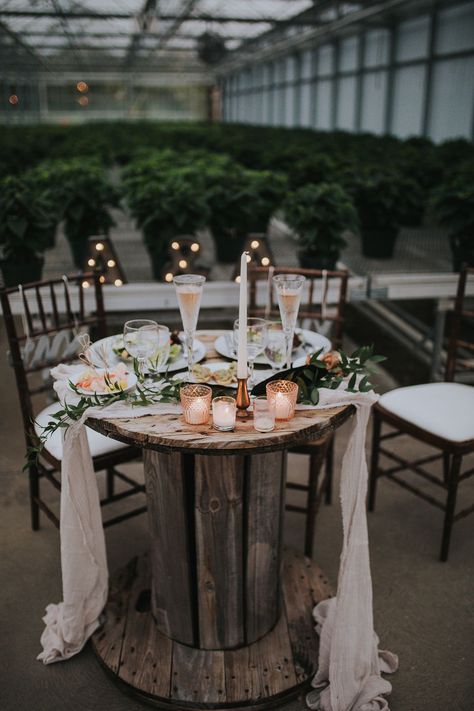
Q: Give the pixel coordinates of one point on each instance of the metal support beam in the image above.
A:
(391, 78)
(24, 46)
(145, 19)
(429, 73)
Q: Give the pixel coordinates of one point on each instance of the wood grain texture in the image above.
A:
(219, 549)
(172, 595)
(264, 508)
(145, 659)
(272, 670)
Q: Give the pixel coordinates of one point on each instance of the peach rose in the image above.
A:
(332, 359)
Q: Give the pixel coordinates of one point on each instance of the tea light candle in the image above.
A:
(223, 413)
(283, 393)
(196, 402)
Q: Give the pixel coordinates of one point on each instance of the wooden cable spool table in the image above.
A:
(215, 615)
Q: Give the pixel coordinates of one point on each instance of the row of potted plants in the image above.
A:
(170, 192)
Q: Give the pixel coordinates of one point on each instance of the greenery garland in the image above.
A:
(320, 371)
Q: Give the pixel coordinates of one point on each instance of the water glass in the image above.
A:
(143, 338)
(263, 414)
(256, 340)
(275, 347)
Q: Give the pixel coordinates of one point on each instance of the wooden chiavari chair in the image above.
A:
(440, 415)
(52, 317)
(322, 309)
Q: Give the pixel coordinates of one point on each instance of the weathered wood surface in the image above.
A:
(216, 531)
(168, 522)
(264, 506)
(219, 551)
(277, 666)
(171, 433)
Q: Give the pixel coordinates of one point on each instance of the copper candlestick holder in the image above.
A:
(243, 399)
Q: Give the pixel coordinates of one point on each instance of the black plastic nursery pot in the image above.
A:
(21, 270)
(462, 252)
(378, 244)
(313, 260)
(229, 246)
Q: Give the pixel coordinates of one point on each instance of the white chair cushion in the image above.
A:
(443, 409)
(98, 444)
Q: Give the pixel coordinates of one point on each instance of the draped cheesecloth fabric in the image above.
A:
(348, 677)
(70, 623)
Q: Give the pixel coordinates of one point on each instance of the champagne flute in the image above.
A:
(140, 338)
(275, 347)
(189, 292)
(256, 340)
(289, 288)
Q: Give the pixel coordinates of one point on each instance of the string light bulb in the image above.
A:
(195, 247)
(265, 261)
(111, 263)
(102, 279)
(168, 277)
(85, 284)
(91, 262)
(13, 99)
(175, 245)
(100, 246)
(182, 264)
(118, 282)
(82, 86)
(255, 244)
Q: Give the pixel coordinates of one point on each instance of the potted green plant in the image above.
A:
(84, 197)
(241, 201)
(26, 217)
(378, 200)
(319, 214)
(453, 207)
(170, 204)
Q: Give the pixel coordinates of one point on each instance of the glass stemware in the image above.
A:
(275, 347)
(145, 339)
(189, 292)
(256, 340)
(289, 288)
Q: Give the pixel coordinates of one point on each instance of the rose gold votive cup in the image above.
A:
(196, 403)
(283, 393)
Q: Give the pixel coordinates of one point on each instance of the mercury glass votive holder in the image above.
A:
(196, 403)
(224, 410)
(283, 394)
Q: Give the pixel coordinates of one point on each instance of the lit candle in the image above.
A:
(242, 370)
(283, 393)
(196, 401)
(223, 413)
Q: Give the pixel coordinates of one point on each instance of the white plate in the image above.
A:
(131, 384)
(312, 342)
(179, 363)
(220, 365)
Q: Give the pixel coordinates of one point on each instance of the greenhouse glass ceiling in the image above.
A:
(130, 32)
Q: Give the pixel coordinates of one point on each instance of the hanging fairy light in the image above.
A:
(13, 99)
(82, 87)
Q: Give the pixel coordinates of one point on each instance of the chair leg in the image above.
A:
(329, 472)
(110, 482)
(34, 496)
(450, 506)
(374, 464)
(315, 462)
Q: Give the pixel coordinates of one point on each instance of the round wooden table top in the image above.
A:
(171, 433)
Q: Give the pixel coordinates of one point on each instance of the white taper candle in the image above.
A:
(242, 368)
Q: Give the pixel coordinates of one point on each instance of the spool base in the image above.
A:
(165, 673)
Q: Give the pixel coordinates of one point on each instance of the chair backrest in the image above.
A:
(461, 341)
(52, 314)
(323, 300)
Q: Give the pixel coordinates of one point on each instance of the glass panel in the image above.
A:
(408, 95)
(455, 29)
(346, 103)
(412, 42)
(451, 102)
(374, 92)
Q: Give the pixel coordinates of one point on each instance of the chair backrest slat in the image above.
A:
(45, 324)
(457, 342)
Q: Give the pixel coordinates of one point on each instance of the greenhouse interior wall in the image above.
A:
(414, 78)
